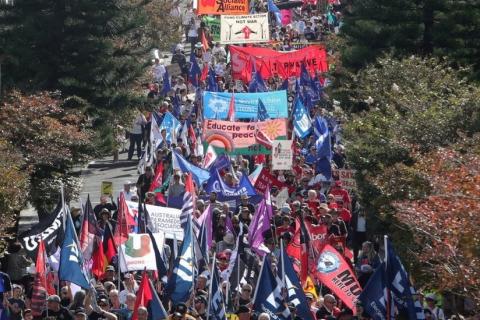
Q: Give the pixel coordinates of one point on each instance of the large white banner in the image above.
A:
(251, 28)
(164, 220)
(282, 155)
(137, 253)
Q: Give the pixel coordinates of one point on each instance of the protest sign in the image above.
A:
(222, 7)
(251, 28)
(347, 176)
(164, 219)
(240, 137)
(270, 62)
(137, 253)
(216, 104)
(107, 188)
(213, 24)
(336, 274)
(266, 179)
(282, 155)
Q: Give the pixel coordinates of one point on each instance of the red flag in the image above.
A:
(144, 295)
(109, 248)
(99, 261)
(231, 108)
(193, 138)
(262, 139)
(189, 186)
(90, 229)
(156, 184)
(204, 74)
(336, 274)
(124, 222)
(41, 288)
(205, 42)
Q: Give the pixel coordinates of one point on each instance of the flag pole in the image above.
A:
(388, 304)
(210, 287)
(259, 278)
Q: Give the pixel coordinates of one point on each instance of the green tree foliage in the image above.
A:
(406, 27)
(89, 48)
(411, 107)
(48, 139)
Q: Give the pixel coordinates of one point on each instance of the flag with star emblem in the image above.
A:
(71, 258)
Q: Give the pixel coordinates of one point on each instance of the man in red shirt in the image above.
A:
(341, 194)
(343, 212)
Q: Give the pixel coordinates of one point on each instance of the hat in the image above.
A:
(54, 298)
(244, 196)
(309, 295)
(16, 286)
(102, 301)
(110, 268)
(198, 45)
(324, 206)
(104, 210)
(181, 308)
(80, 311)
(243, 309)
(431, 296)
(127, 182)
(286, 208)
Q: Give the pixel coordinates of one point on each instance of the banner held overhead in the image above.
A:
(252, 28)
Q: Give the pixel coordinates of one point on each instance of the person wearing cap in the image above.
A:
(104, 204)
(329, 307)
(243, 312)
(437, 312)
(54, 309)
(127, 190)
(130, 285)
(228, 242)
(244, 204)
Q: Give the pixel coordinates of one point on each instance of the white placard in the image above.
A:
(137, 253)
(282, 155)
(164, 219)
(251, 28)
(347, 176)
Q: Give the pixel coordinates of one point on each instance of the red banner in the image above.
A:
(335, 273)
(270, 62)
(265, 178)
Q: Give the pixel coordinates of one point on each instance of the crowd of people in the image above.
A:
(312, 198)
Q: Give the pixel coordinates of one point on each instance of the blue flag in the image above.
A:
(296, 295)
(324, 167)
(155, 307)
(180, 283)
(212, 84)
(305, 79)
(302, 124)
(71, 259)
(171, 125)
(256, 83)
(162, 267)
(222, 161)
(374, 295)
(262, 111)
(166, 83)
(284, 85)
(194, 73)
(268, 297)
(400, 286)
(224, 192)
(323, 143)
(199, 175)
(216, 305)
(272, 7)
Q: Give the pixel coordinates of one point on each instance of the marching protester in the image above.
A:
(239, 210)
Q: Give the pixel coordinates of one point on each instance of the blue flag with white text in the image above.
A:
(400, 286)
(269, 297)
(71, 259)
(322, 133)
(374, 295)
(302, 124)
(216, 307)
(180, 283)
(224, 192)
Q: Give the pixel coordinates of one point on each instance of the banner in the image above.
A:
(265, 179)
(246, 104)
(282, 155)
(347, 176)
(239, 137)
(270, 62)
(252, 28)
(335, 273)
(165, 220)
(137, 253)
(213, 24)
(222, 7)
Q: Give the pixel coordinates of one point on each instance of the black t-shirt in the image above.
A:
(63, 314)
